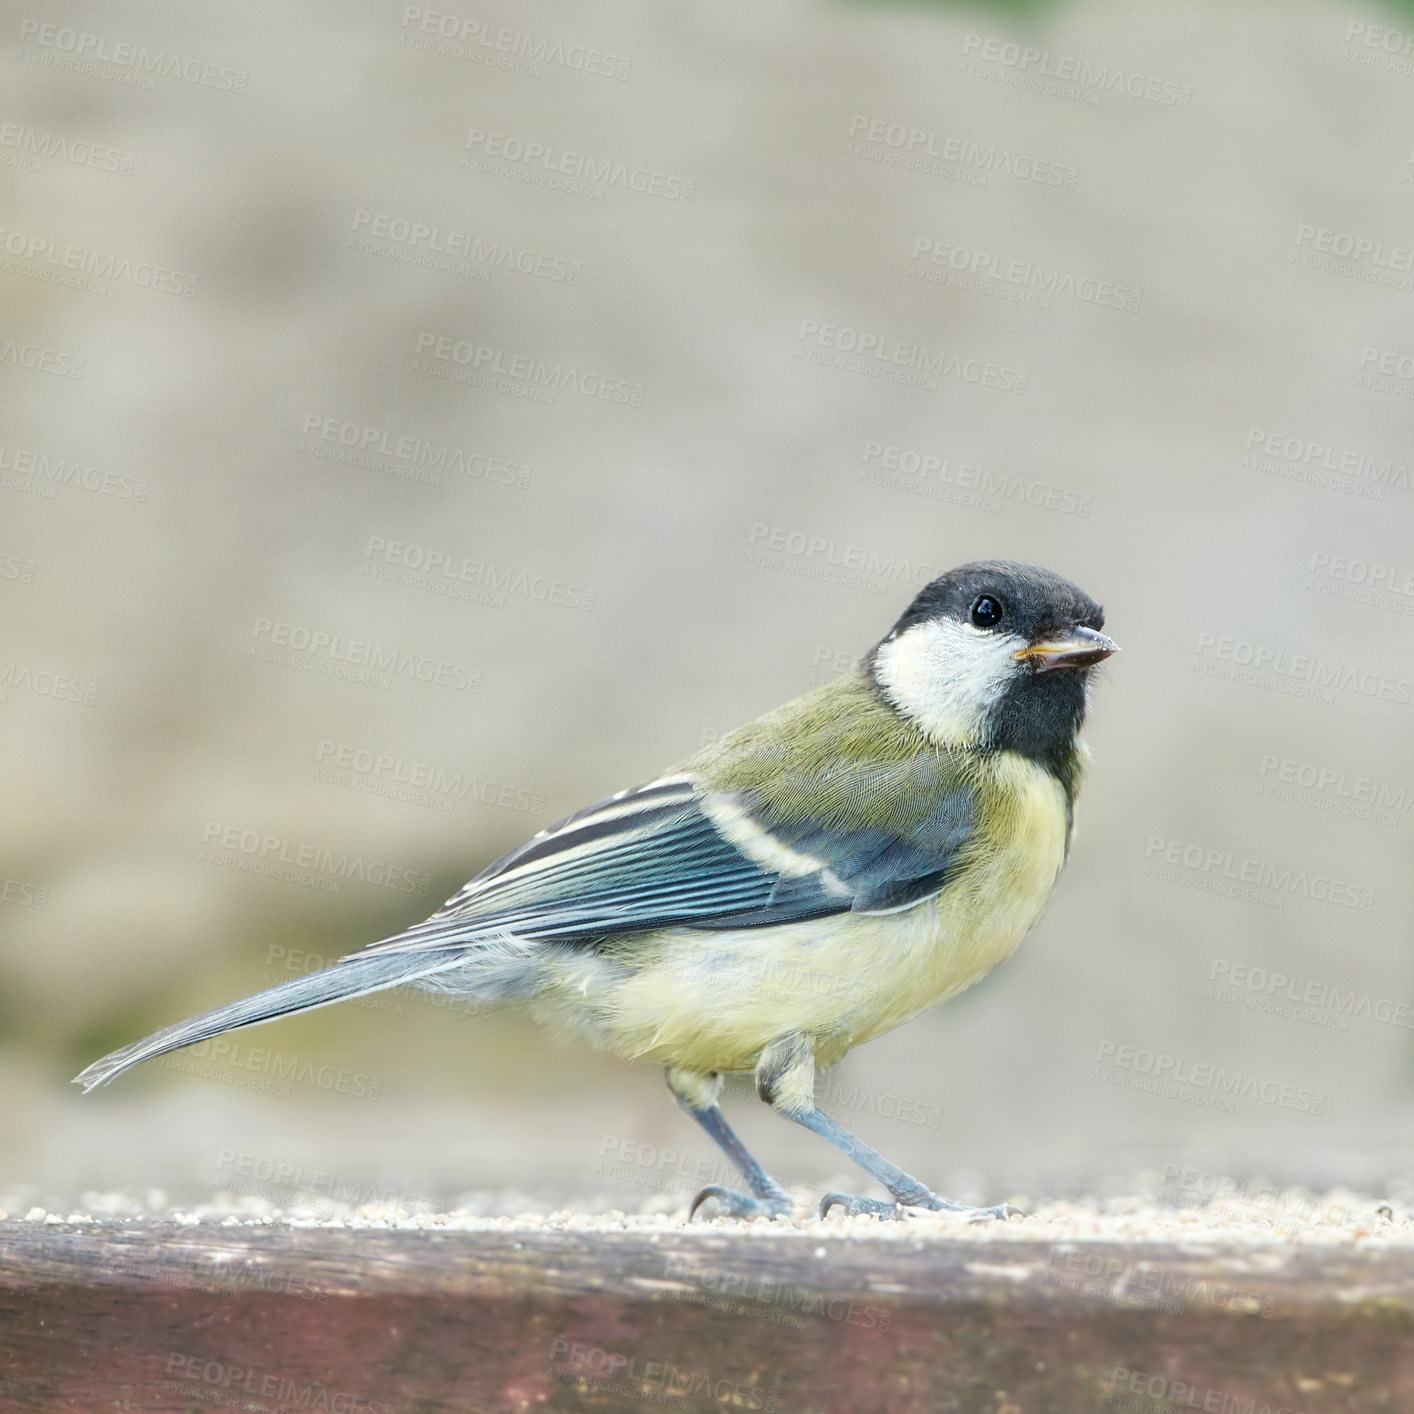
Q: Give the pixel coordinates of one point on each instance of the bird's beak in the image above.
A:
(1080, 647)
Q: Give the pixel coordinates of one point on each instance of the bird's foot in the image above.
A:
(873, 1207)
(733, 1203)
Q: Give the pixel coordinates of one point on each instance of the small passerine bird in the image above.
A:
(808, 882)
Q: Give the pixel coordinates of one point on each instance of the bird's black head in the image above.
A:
(996, 655)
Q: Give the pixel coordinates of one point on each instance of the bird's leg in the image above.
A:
(785, 1079)
(697, 1094)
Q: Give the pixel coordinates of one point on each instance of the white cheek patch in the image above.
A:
(948, 676)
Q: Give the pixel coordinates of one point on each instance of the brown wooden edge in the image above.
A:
(162, 1316)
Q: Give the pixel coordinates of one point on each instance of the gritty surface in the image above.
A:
(1337, 1218)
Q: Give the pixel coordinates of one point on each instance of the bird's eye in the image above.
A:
(987, 611)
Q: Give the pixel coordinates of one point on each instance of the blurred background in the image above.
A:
(420, 422)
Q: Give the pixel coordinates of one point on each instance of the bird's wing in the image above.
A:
(674, 852)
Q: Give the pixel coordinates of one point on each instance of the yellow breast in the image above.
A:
(711, 1001)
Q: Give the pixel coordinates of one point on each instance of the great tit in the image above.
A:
(806, 883)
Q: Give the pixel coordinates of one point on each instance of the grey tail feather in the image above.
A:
(354, 977)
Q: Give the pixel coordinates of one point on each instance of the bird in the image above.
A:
(803, 884)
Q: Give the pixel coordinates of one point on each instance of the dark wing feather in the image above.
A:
(884, 868)
(646, 858)
(653, 858)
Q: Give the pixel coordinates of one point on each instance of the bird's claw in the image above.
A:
(856, 1207)
(874, 1207)
(1003, 1211)
(736, 1204)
